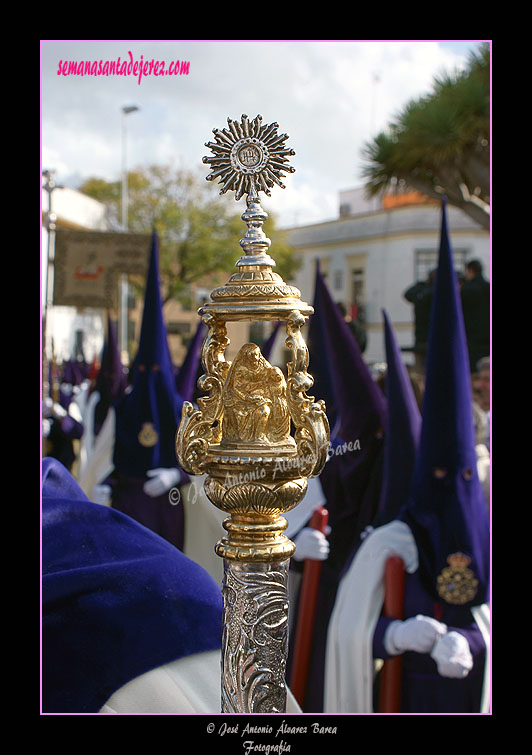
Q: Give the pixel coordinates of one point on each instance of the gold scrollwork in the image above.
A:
(202, 427)
(312, 434)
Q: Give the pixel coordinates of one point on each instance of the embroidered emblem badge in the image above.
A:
(147, 436)
(457, 584)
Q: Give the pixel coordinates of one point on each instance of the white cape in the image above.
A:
(96, 453)
(203, 528)
(349, 668)
(186, 686)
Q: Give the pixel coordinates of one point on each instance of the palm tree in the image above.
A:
(440, 144)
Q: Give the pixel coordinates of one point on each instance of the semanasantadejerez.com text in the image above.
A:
(118, 67)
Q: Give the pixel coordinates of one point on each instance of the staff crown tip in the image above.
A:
(248, 157)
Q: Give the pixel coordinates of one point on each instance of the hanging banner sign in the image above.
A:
(87, 265)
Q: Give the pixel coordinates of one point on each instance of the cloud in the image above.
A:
(330, 97)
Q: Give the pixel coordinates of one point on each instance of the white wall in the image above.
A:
(72, 206)
(389, 239)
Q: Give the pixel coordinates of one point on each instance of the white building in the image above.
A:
(375, 250)
(71, 327)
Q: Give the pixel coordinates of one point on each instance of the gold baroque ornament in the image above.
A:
(254, 401)
(457, 584)
(256, 435)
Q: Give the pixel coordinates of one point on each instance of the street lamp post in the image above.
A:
(123, 289)
(50, 186)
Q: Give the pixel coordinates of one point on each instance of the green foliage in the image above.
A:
(439, 144)
(199, 230)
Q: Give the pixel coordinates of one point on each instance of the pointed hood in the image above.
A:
(147, 418)
(356, 409)
(354, 402)
(188, 372)
(111, 380)
(446, 509)
(403, 427)
(352, 477)
(73, 372)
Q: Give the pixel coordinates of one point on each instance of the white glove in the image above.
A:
(46, 427)
(47, 406)
(418, 634)
(161, 481)
(58, 412)
(453, 656)
(102, 494)
(52, 409)
(311, 543)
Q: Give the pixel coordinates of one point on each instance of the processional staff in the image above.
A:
(240, 434)
(393, 608)
(308, 599)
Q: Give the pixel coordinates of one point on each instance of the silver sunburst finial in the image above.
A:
(248, 157)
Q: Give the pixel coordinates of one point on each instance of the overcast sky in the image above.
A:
(329, 96)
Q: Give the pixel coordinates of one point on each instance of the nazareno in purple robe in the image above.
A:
(147, 418)
(63, 432)
(445, 511)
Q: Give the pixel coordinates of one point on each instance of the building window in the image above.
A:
(426, 260)
(178, 328)
(131, 330)
(358, 297)
(338, 280)
(345, 209)
(324, 265)
(78, 345)
(202, 295)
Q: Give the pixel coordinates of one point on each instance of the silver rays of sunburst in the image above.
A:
(248, 157)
